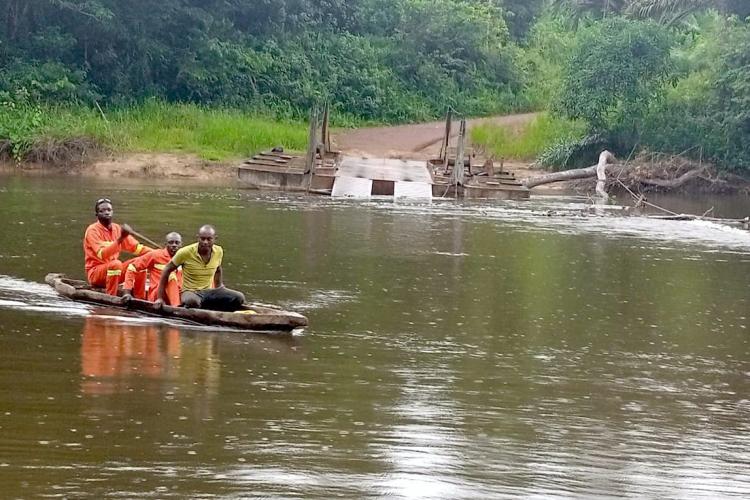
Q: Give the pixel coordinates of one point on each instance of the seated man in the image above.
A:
(102, 244)
(153, 262)
(202, 277)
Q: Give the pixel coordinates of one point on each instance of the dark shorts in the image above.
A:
(214, 299)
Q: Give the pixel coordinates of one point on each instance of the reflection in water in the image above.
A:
(423, 449)
(115, 355)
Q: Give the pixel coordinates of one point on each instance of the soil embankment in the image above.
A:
(415, 141)
(172, 166)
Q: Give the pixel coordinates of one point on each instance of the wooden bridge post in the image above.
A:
(446, 139)
(325, 134)
(312, 142)
(457, 177)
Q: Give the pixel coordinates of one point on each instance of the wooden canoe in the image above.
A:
(254, 317)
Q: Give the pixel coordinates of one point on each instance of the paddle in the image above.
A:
(144, 238)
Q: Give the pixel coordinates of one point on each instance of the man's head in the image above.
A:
(206, 237)
(173, 242)
(103, 211)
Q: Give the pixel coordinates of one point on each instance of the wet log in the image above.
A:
(568, 175)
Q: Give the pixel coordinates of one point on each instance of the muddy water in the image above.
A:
(455, 351)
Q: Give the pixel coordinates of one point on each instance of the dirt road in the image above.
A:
(418, 141)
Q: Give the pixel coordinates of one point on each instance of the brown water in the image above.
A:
(454, 351)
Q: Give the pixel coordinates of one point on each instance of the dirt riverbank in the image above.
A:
(157, 166)
(415, 141)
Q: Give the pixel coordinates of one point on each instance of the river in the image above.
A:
(455, 350)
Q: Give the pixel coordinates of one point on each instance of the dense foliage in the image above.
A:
(376, 59)
(667, 75)
(707, 112)
(680, 90)
(615, 70)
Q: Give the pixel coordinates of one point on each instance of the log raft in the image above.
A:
(252, 317)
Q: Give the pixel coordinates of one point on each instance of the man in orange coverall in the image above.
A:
(102, 244)
(154, 262)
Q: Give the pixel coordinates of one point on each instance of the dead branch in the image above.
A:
(675, 183)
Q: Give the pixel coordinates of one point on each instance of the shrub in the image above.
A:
(572, 153)
(20, 122)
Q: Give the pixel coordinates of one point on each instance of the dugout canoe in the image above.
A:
(253, 317)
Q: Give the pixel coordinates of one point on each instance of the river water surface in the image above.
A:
(455, 350)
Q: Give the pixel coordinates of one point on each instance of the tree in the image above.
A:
(520, 15)
(597, 8)
(732, 93)
(667, 12)
(617, 68)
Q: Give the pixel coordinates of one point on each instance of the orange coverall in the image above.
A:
(102, 251)
(153, 263)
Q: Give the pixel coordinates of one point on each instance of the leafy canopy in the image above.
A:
(616, 69)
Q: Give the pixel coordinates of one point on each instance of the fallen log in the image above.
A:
(675, 183)
(568, 175)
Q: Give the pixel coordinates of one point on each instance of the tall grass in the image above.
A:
(525, 143)
(155, 126)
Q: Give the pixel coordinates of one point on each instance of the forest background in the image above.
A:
(224, 78)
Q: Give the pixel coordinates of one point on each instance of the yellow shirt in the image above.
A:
(197, 275)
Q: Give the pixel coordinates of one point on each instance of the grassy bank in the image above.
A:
(527, 142)
(212, 134)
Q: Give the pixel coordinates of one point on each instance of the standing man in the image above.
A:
(102, 244)
(202, 277)
(153, 263)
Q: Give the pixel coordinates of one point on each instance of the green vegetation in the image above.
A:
(528, 142)
(214, 134)
(388, 60)
(223, 78)
(615, 70)
(154, 126)
(677, 83)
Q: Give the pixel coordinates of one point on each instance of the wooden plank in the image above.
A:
(258, 159)
(269, 168)
(412, 190)
(273, 158)
(352, 187)
(278, 155)
(384, 169)
(266, 163)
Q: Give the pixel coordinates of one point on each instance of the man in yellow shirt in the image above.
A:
(202, 277)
